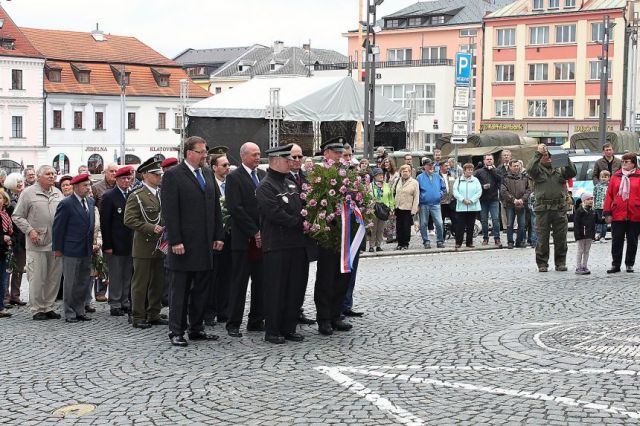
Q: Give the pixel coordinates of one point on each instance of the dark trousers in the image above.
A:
(304, 279)
(243, 268)
(284, 290)
(404, 220)
(447, 210)
(621, 230)
(331, 286)
(218, 298)
(13, 294)
(348, 300)
(187, 298)
(465, 224)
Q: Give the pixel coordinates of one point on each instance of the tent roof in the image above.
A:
(302, 99)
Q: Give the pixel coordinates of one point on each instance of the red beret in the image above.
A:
(79, 179)
(124, 171)
(168, 162)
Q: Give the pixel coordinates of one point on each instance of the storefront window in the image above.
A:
(95, 164)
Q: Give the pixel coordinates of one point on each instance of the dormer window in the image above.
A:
(439, 19)
(8, 43)
(161, 77)
(415, 22)
(54, 76)
(117, 71)
(394, 23)
(244, 66)
(84, 77)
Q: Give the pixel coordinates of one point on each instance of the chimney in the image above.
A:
(306, 47)
(97, 34)
(278, 47)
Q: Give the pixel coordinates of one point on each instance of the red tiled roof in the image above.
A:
(23, 46)
(103, 82)
(82, 47)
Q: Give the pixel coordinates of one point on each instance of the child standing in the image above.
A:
(584, 229)
(599, 192)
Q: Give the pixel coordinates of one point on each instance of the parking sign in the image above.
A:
(463, 69)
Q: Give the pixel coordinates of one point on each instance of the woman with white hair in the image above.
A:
(14, 184)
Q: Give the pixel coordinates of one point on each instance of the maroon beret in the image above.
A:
(124, 171)
(168, 162)
(79, 179)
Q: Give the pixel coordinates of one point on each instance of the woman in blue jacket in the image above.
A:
(467, 191)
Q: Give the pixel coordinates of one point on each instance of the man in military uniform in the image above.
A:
(283, 245)
(550, 207)
(142, 215)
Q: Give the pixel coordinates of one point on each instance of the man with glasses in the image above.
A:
(193, 220)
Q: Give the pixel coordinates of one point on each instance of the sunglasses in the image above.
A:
(296, 157)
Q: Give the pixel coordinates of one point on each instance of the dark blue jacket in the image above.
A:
(115, 236)
(73, 227)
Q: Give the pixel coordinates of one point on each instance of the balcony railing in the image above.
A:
(386, 64)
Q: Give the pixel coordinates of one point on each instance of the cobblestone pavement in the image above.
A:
(448, 338)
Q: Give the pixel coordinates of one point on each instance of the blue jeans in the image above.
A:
(512, 214)
(601, 227)
(427, 210)
(534, 235)
(490, 208)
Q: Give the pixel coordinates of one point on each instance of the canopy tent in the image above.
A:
(622, 141)
(301, 98)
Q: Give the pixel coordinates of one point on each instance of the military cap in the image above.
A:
(218, 150)
(168, 162)
(279, 151)
(150, 166)
(124, 171)
(334, 144)
(79, 179)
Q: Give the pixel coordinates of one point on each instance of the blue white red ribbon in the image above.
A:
(348, 248)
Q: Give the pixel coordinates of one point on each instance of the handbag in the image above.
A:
(382, 211)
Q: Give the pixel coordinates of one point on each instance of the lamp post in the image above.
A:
(123, 113)
(184, 97)
(370, 77)
(604, 78)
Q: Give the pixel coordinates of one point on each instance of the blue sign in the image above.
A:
(463, 69)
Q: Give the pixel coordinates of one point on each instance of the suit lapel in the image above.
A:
(83, 213)
(190, 174)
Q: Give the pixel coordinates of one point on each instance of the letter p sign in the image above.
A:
(463, 69)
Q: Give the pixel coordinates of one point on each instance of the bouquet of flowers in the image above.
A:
(99, 265)
(329, 191)
(226, 216)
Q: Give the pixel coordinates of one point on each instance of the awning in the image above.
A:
(548, 134)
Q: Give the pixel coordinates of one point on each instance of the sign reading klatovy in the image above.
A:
(461, 99)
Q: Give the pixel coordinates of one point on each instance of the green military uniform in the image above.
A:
(551, 210)
(142, 214)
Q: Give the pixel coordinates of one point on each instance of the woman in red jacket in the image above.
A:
(622, 210)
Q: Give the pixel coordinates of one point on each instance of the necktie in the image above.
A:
(222, 186)
(255, 178)
(84, 205)
(200, 179)
(298, 179)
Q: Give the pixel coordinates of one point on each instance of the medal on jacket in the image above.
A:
(285, 199)
(119, 210)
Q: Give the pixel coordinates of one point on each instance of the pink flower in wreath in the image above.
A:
(318, 179)
(315, 227)
(323, 203)
(332, 192)
(327, 229)
(306, 226)
(313, 203)
(331, 217)
(303, 195)
(342, 172)
(322, 215)
(304, 213)
(346, 181)
(305, 187)
(343, 189)
(333, 182)
(359, 196)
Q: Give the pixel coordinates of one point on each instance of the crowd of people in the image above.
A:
(191, 235)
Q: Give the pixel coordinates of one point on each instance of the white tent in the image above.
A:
(302, 99)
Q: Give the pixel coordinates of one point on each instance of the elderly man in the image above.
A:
(73, 228)
(34, 216)
(432, 188)
(30, 176)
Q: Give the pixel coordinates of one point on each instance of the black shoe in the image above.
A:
(324, 327)
(340, 325)
(370, 249)
(72, 320)
(271, 338)
(163, 316)
(629, 269)
(178, 341)
(40, 316)
(350, 313)
(17, 302)
(89, 309)
(613, 270)
(234, 332)
(294, 337)
(201, 335)
(52, 315)
(378, 248)
(302, 319)
(158, 321)
(83, 318)
(125, 309)
(117, 312)
(561, 268)
(141, 324)
(255, 326)
(222, 319)
(210, 322)
(165, 303)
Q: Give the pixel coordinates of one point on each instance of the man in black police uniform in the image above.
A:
(283, 245)
(331, 285)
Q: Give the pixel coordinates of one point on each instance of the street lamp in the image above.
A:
(371, 50)
(607, 26)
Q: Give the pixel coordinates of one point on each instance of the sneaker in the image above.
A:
(427, 245)
(439, 245)
(561, 268)
(40, 316)
(510, 245)
(579, 271)
(498, 244)
(586, 271)
(597, 237)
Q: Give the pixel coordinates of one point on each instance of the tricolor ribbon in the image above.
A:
(348, 248)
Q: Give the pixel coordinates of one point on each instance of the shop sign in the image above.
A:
(501, 126)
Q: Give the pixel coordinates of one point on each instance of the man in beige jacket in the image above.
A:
(34, 216)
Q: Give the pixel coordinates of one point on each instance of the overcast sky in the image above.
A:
(173, 26)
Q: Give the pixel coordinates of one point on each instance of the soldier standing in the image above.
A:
(550, 207)
(142, 215)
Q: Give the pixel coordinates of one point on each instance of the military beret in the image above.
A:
(334, 144)
(218, 150)
(79, 179)
(150, 166)
(124, 171)
(279, 151)
(168, 162)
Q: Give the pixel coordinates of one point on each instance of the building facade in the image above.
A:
(542, 68)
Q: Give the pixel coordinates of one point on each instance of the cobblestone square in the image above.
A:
(471, 337)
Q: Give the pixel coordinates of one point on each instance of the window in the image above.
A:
(439, 19)
(597, 32)
(84, 77)
(434, 54)
(565, 70)
(595, 69)
(16, 79)
(218, 90)
(393, 23)
(394, 55)
(57, 119)
(99, 120)
(425, 95)
(554, 4)
(16, 127)
(538, 4)
(54, 76)
(539, 35)
(538, 108)
(563, 108)
(163, 80)
(131, 120)
(538, 72)
(506, 37)
(504, 108)
(594, 107)
(468, 33)
(162, 120)
(415, 22)
(504, 72)
(566, 33)
(469, 48)
(77, 120)
(569, 4)
(178, 121)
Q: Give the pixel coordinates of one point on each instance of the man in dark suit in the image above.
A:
(246, 241)
(73, 227)
(117, 240)
(191, 213)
